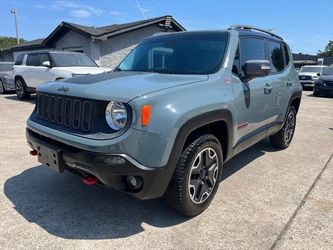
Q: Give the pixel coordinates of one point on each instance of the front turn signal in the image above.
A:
(145, 115)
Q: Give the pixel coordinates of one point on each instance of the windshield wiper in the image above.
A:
(117, 69)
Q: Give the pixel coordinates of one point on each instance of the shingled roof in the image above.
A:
(36, 42)
(105, 32)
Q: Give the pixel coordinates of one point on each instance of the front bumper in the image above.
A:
(110, 169)
(323, 89)
(9, 85)
(309, 83)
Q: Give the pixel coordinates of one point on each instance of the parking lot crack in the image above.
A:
(300, 205)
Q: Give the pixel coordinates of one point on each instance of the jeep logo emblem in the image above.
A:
(63, 89)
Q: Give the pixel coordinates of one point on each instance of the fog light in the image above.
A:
(134, 182)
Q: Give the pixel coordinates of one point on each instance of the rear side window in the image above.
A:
(251, 49)
(33, 60)
(19, 59)
(275, 56)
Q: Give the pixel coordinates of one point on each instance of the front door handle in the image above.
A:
(268, 89)
(289, 83)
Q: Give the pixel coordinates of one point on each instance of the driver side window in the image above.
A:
(251, 48)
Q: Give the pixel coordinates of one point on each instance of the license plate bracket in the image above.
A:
(50, 157)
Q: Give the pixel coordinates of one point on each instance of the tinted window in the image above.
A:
(19, 59)
(311, 69)
(286, 52)
(275, 56)
(33, 60)
(235, 66)
(43, 58)
(186, 53)
(328, 71)
(72, 60)
(252, 49)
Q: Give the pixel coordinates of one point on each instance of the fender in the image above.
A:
(199, 121)
(186, 129)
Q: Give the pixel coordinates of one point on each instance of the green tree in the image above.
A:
(328, 50)
(6, 42)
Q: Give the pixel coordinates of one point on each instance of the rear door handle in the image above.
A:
(268, 89)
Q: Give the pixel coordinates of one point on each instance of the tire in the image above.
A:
(21, 89)
(283, 138)
(2, 88)
(316, 93)
(186, 191)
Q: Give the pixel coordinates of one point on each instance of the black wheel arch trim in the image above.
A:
(199, 121)
(186, 129)
(294, 96)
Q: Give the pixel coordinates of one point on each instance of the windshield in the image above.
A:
(72, 60)
(328, 71)
(311, 69)
(182, 53)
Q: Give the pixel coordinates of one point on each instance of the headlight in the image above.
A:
(116, 115)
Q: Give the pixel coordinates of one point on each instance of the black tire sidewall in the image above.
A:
(25, 93)
(190, 205)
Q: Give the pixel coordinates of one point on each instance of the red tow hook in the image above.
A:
(33, 152)
(90, 180)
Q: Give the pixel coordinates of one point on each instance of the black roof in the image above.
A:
(301, 56)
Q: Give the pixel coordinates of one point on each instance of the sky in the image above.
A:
(306, 26)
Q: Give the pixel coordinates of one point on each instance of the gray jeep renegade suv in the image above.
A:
(165, 121)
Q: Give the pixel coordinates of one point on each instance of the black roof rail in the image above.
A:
(248, 27)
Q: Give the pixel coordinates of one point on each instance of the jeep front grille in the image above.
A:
(64, 111)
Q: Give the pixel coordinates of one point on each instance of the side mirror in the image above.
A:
(47, 64)
(256, 68)
(318, 74)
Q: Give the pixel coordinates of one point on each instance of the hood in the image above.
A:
(85, 70)
(328, 78)
(118, 86)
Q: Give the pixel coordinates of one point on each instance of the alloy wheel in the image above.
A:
(203, 175)
(289, 127)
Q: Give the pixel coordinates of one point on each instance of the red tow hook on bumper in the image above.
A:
(90, 180)
(33, 152)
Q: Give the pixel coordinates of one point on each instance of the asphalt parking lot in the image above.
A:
(267, 199)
